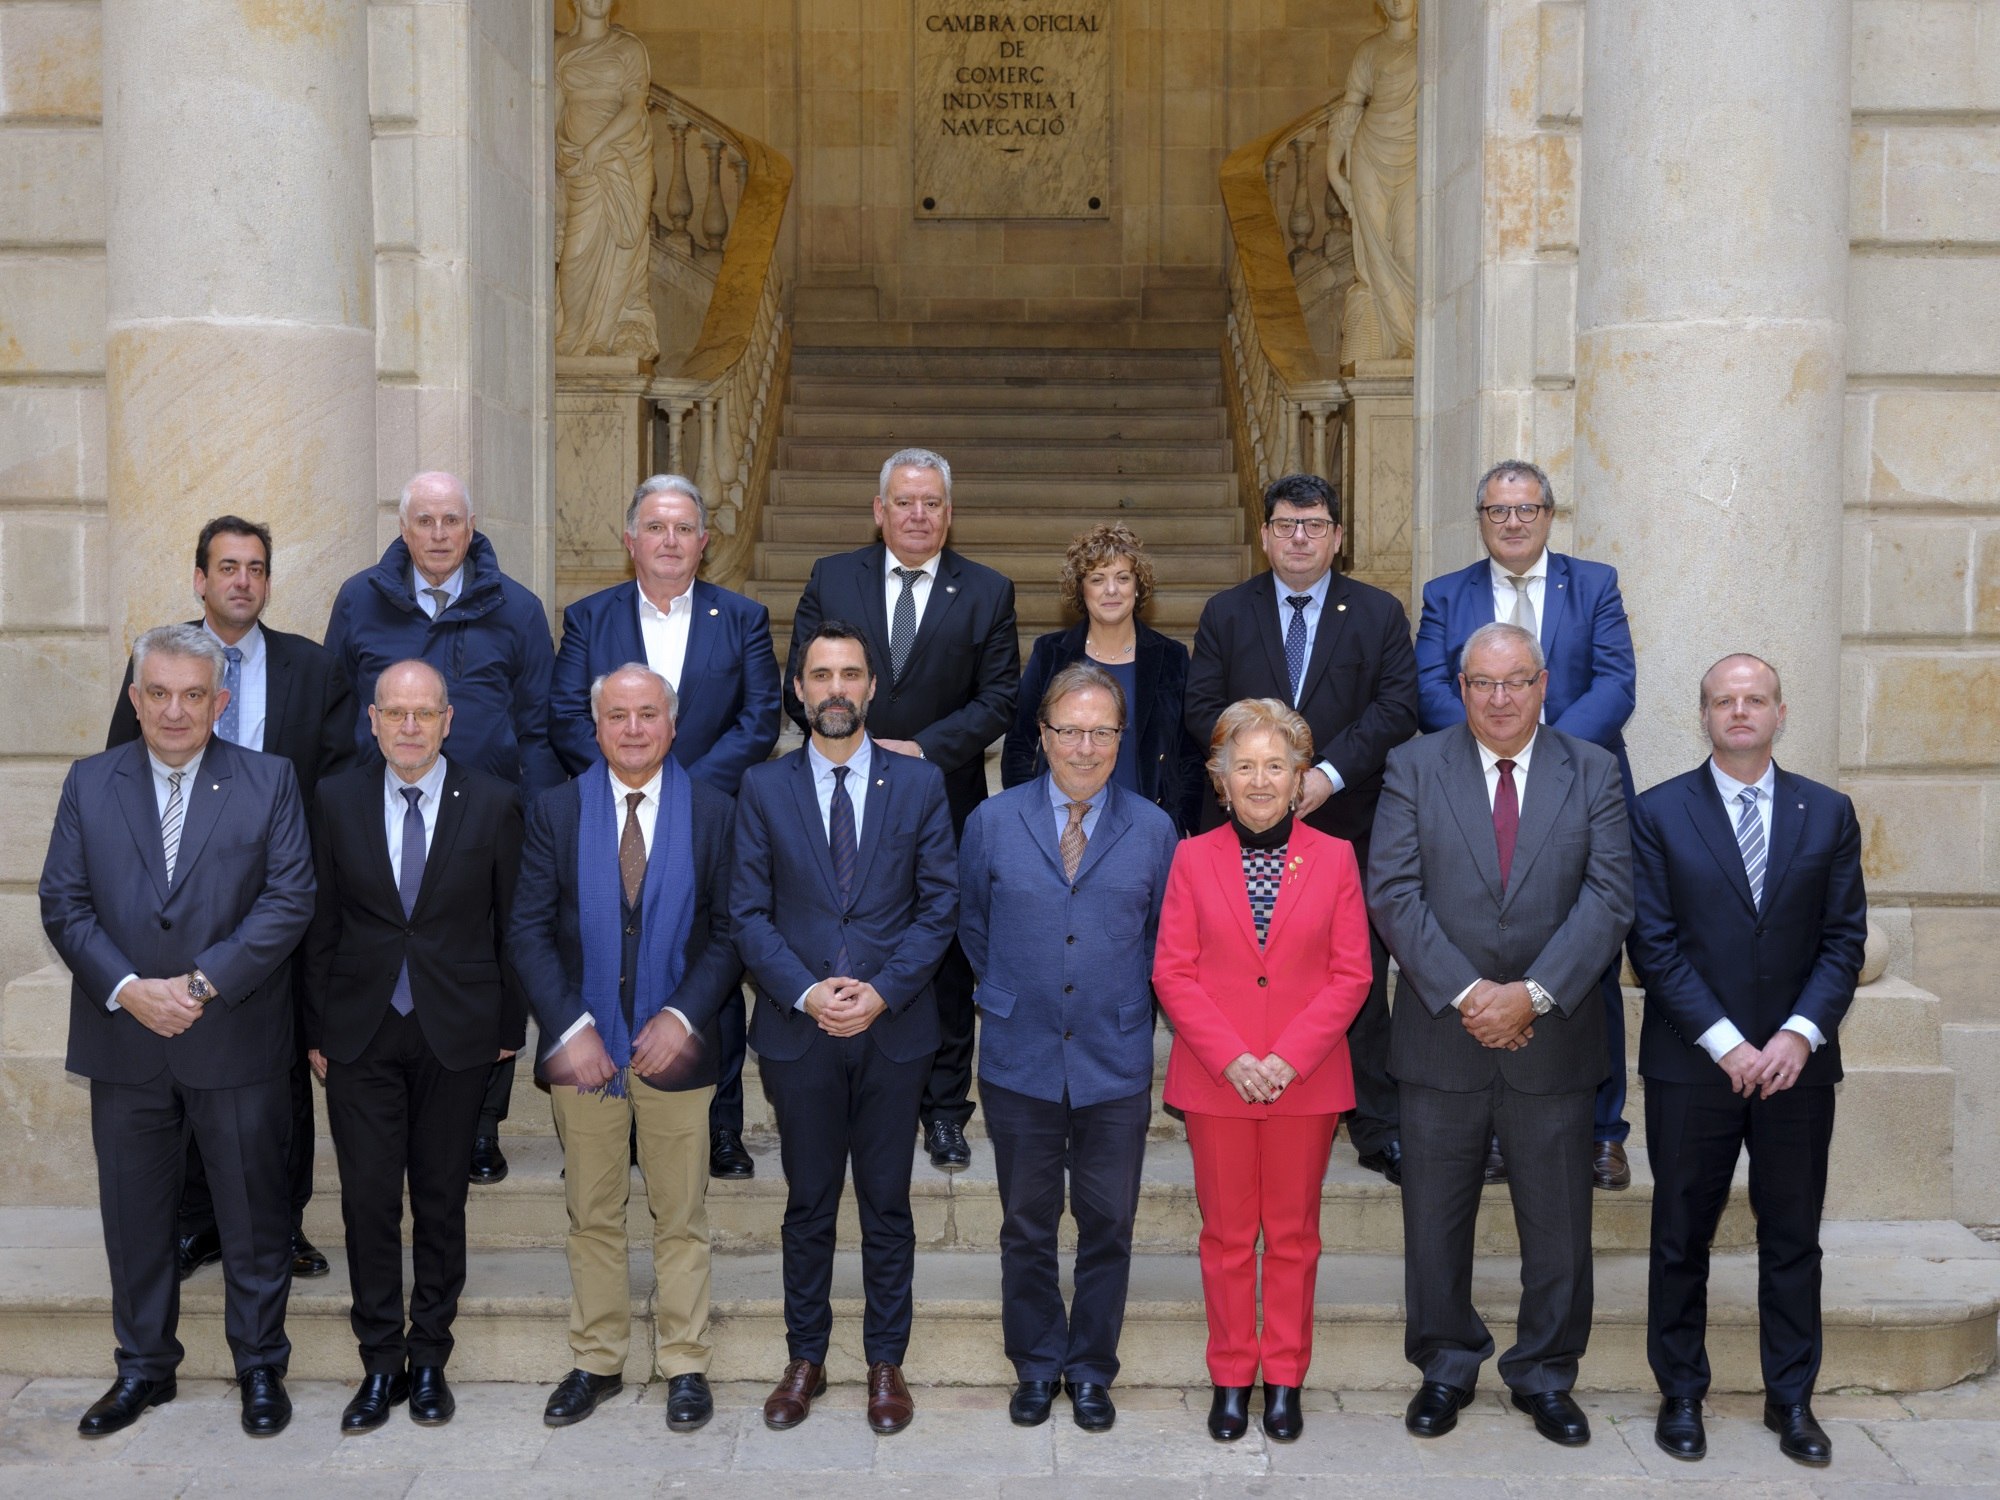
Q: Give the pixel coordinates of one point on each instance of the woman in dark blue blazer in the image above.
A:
(1107, 579)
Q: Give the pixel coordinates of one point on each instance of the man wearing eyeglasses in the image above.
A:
(1338, 651)
(1573, 608)
(1060, 881)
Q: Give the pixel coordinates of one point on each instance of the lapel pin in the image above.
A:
(951, 588)
(1340, 608)
(715, 611)
(880, 782)
(454, 794)
(216, 786)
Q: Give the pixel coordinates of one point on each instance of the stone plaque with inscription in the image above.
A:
(1012, 109)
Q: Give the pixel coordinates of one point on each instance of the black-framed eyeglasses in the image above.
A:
(1285, 527)
(1069, 736)
(1498, 514)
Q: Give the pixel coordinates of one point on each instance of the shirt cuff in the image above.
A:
(1815, 1038)
(1459, 999)
(800, 1003)
(1325, 767)
(574, 1027)
(1720, 1039)
(119, 989)
(681, 1016)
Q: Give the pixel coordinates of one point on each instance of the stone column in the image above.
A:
(1711, 365)
(240, 345)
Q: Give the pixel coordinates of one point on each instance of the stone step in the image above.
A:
(1039, 456)
(841, 528)
(1906, 1306)
(1034, 338)
(939, 393)
(945, 426)
(1086, 498)
(1213, 567)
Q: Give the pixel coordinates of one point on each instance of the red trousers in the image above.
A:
(1250, 1176)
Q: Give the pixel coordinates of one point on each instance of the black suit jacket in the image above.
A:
(1359, 695)
(956, 695)
(466, 998)
(545, 937)
(1704, 952)
(308, 709)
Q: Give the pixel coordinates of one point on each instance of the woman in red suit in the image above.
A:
(1262, 963)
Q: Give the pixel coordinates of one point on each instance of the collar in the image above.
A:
(1060, 799)
(681, 604)
(928, 567)
(252, 644)
(1488, 759)
(857, 763)
(650, 791)
(193, 768)
(431, 783)
(1731, 788)
(1539, 568)
(1318, 590)
(453, 586)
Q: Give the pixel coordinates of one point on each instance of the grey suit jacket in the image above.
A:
(1435, 896)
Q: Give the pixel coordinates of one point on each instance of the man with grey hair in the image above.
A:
(621, 935)
(713, 646)
(943, 630)
(438, 596)
(177, 884)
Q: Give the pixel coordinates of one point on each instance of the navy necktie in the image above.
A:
(1295, 642)
(1750, 839)
(841, 844)
(409, 880)
(903, 628)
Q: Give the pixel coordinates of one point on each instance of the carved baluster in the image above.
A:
(676, 413)
(714, 213)
(707, 475)
(1300, 225)
(1318, 413)
(680, 197)
(1272, 166)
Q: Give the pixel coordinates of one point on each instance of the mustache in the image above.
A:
(837, 718)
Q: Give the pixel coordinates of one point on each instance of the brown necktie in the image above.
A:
(632, 850)
(1073, 839)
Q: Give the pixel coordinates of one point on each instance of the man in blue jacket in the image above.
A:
(438, 596)
(1060, 882)
(1575, 610)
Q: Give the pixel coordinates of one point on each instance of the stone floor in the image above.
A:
(1931, 1445)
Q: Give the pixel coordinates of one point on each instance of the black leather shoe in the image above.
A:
(1434, 1410)
(1283, 1421)
(727, 1158)
(306, 1258)
(945, 1140)
(1800, 1437)
(1030, 1403)
(1388, 1161)
(431, 1400)
(1091, 1405)
(267, 1410)
(689, 1404)
(1496, 1163)
(121, 1406)
(1557, 1417)
(193, 1251)
(373, 1400)
(488, 1165)
(1678, 1430)
(578, 1395)
(1229, 1413)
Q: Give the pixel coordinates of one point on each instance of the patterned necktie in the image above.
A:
(170, 822)
(1073, 839)
(409, 880)
(903, 629)
(1295, 641)
(232, 683)
(1524, 605)
(1750, 839)
(1506, 820)
(841, 845)
(438, 598)
(632, 850)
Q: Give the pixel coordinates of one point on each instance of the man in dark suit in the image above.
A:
(1751, 920)
(408, 1004)
(1501, 877)
(1060, 883)
(1574, 608)
(1338, 651)
(943, 630)
(621, 936)
(178, 883)
(714, 649)
(846, 895)
(287, 696)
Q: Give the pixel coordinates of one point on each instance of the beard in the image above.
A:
(838, 718)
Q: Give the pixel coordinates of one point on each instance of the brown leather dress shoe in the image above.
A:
(791, 1402)
(889, 1405)
(1609, 1170)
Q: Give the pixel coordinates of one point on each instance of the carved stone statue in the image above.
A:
(1375, 142)
(604, 172)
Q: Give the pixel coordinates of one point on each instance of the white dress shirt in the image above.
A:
(920, 588)
(1317, 592)
(452, 586)
(1537, 575)
(664, 633)
(858, 765)
(163, 788)
(429, 786)
(1724, 1035)
(1490, 761)
(251, 677)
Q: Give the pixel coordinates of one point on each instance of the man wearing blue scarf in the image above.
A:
(621, 937)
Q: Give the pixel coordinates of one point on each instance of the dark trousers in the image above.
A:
(844, 1104)
(1608, 1119)
(1101, 1148)
(1693, 1132)
(493, 1106)
(1547, 1141)
(197, 1207)
(725, 1110)
(1375, 1119)
(140, 1132)
(948, 1091)
(396, 1111)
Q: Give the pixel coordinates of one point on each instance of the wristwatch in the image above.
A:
(199, 989)
(1540, 998)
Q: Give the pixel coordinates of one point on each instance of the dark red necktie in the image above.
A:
(1506, 820)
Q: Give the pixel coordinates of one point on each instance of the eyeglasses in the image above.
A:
(1498, 514)
(1069, 736)
(424, 717)
(1486, 687)
(1286, 527)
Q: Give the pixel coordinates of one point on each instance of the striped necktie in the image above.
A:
(170, 822)
(1073, 839)
(1750, 839)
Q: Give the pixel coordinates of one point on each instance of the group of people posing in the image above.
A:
(254, 886)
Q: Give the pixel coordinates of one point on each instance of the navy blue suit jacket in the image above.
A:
(1066, 992)
(1593, 675)
(241, 897)
(791, 921)
(1704, 952)
(728, 716)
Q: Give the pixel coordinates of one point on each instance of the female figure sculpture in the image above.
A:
(1375, 141)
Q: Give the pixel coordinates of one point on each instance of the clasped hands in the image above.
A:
(844, 1007)
(1260, 1081)
(1499, 1015)
(162, 1006)
(1769, 1070)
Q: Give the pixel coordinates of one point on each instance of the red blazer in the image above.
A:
(1295, 996)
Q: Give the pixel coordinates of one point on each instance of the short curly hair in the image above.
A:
(1248, 716)
(1092, 549)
